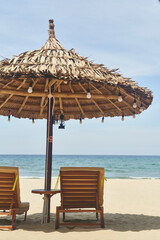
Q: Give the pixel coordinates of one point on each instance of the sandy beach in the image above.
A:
(131, 211)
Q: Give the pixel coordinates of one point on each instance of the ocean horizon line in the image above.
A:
(129, 155)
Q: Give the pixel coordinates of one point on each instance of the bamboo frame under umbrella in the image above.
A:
(59, 85)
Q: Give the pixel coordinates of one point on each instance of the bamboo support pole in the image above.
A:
(48, 165)
(92, 96)
(43, 98)
(7, 84)
(11, 95)
(115, 105)
(26, 98)
(78, 103)
(55, 94)
(60, 100)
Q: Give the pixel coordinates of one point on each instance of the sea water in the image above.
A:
(127, 167)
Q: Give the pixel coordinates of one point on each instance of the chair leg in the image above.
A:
(25, 215)
(57, 218)
(63, 216)
(13, 219)
(102, 218)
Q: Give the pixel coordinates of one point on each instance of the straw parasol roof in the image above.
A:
(68, 76)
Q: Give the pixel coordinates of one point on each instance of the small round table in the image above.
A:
(48, 194)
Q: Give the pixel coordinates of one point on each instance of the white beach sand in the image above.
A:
(131, 211)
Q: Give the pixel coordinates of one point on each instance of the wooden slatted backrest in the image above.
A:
(79, 189)
(101, 178)
(9, 197)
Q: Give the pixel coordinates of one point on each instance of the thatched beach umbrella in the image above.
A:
(59, 85)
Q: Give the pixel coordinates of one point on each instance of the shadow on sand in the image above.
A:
(115, 222)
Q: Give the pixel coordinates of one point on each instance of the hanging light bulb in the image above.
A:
(65, 82)
(102, 120)
(80, 120)
(141, 108)
(122, 117)
(120, 99)
(30, 90)
(9, 116)
(88, 93)
(33, 118)
(134, 103)
(134, 114)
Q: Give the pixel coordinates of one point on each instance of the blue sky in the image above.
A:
(120, 34)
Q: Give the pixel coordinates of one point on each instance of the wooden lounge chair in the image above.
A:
(10, 203)
(81, 191)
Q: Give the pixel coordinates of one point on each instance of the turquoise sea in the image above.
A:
(33, 166)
